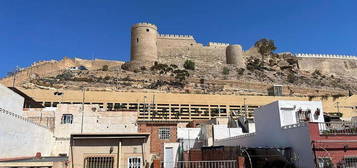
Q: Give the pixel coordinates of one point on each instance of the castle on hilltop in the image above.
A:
(148, 46)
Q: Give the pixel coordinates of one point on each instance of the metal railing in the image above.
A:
(338, 128)
(348, 162)
(201, 164)
(99, 162)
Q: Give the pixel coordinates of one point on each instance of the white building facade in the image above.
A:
(19, 136)
(283, 124)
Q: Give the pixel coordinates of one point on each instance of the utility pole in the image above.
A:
(145, 107)
(338, 107)
(245, 108)
(153, 103)
(14, 73)
(83, 91)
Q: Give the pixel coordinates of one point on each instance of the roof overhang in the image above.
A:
(110, 136)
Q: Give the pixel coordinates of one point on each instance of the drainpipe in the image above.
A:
(119, 154)
(72, 153)
(142, 152)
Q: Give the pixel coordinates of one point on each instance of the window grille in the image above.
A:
(303, 115)
(324, 162)
(164, 133)
(350, 162)
(134, 162)
(99, 162)
(67, 119)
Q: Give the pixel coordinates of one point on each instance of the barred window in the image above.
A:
(99, 162)
(350, 162)
(134, 162)
(164, 133)
(324, 162)
(67, 119)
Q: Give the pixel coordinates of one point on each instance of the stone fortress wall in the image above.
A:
(329, 64)
(175, 49)
(301, 55)
(53, 67)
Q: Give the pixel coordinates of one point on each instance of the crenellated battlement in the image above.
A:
(175, 36)
(43, 62)
(326, 56)
(215, 44)
(145, 24)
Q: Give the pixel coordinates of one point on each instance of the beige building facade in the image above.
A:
(110, 150)
(67, 119)
(182, 107)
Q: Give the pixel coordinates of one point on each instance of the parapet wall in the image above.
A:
(326, 56)
(53, 67)
(21, 137)
(175, 36)
(215, 44)
(145, 24)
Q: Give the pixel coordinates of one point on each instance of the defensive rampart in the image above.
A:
(53, 67)
(349, 57)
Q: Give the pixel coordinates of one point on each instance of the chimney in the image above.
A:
(38, 155)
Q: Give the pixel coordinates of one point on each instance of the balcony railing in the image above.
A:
(201, 164)
(338, 128)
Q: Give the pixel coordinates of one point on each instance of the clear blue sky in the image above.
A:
(33, 30)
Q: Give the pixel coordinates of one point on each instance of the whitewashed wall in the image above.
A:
(10, 100)
(18, 136)
(94, 121)
(222, 131)
(188, 133)
(287, 111)
(272, 131)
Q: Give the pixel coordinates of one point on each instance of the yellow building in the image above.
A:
(181, 107)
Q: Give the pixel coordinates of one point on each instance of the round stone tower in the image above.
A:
(143, 43)
(234, 55)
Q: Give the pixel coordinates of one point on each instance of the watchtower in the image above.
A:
(234, 55)
(144, 43)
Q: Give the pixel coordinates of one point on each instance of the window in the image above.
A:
(54, 104)
(67, 119)
(99, 162)
(47, 104)
(110, 106)
(350, 162)
(324, 162)
(164, 133)
(134, 162)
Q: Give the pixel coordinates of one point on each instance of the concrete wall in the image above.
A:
(19, 136)
(188, 133)
(11, 101)
(94, 121)
(222, 131)
(189, 137)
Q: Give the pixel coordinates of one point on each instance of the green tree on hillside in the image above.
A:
(190, 65)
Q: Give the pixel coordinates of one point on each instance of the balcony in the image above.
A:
(338, 128)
